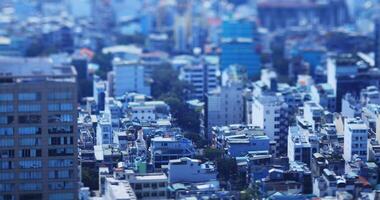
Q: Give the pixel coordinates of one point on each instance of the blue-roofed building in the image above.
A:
(235, 28)
(249, 140)
(164, 149)
(240, 51)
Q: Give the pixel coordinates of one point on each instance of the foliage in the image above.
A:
(130, 39)
(196, 138)
(105, 64)
(167, 87)
(213, 154)
(90, 178)
(37, 48)
(248, 194)
(227, 168)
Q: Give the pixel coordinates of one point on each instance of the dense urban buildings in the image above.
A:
(189, 99)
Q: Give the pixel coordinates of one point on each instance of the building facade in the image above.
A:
(38, 140)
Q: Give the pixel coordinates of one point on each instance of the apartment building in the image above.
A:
(38, 119)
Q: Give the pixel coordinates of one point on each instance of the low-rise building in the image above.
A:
(195, 171)
(164, 149)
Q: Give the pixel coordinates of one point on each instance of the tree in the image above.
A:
(213, 154)
(105, 64)
(167, 87)
(227, 168)
(90, 178)
(196, 138)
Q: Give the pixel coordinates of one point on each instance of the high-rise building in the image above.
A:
(270, 112)
(377, 42)
(38, 120)
(201, 74)
(240, 51)
(223, 106)
(129, 76)
(355, 139)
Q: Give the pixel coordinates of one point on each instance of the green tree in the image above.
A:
(167, 87)
(213, 153)
(196, 138)
(105, 64)
(90, 178)
(227, 168)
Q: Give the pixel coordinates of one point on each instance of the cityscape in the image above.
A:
(190, 99)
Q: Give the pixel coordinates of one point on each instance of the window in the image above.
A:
(6, 164)
(26, 153)
(60, 118)
(61, 196)
(146, 194)
(29, 108)
(6, 176)
(7, 143)
(61, 152)
(6, 131)
(29, 131)
(6, 97)
(61, 185)
(6, 120)
(6, 187)
(29, 119)
(31, 96)
(30, 175)
(6, 108)
(161, 194)
(162, 184)
(59, 96)
(60, 163)
(30, 186)
(60, 174)
(30, 141)
(53, 107)
(60, 129)
(60, 107)
(66, 106)
(7, 153)
(30, 164)
(61, 140)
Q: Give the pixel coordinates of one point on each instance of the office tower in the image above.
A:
(355, 139)
(377, 42)
(38, 119)
(240, 51)
(350, 73)
(129, 76)
(239, 41)
(276, 14)
(224, 105)
(201, 74)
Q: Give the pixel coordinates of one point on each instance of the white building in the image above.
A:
(302, 144)
(129, 76)
(201, 73)
(195, 171)
(223, 106)
(115, 189)
(148, 185)
(270, 112)
(104, 130)
(146, 111)
(313, 113)
(355, 139)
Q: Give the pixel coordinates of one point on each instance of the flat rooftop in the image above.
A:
(27, 67)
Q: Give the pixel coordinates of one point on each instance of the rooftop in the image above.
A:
(27, 67)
